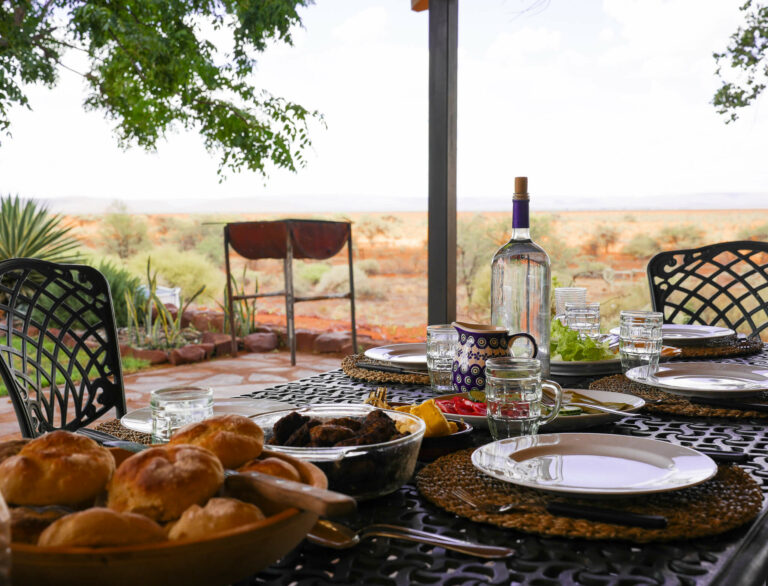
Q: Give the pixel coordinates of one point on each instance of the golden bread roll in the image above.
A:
(162, 483)
(27, 524)
(100, 527)
(273, 467)
(217, 515)
(58, 468)
(233, 438)
(11, 448)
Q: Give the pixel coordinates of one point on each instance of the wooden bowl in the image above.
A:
(224, 558)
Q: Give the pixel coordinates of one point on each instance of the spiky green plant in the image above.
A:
(28, 230)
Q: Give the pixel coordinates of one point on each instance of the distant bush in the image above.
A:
(186, 269)
(369, 266)
(307, 275)
(124, 234)
(336, 280)
(480, 302)
(754, 233)
(630, 218)
(633, 297)
(682, 236)
(641, 246)
(544, 233)
(602, 239)
(590, 269)
(120, 282)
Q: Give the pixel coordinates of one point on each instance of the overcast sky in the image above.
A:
(603, 104)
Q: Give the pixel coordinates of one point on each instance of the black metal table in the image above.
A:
(738, 557)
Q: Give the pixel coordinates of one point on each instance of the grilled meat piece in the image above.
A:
(328, 435)
(285, 428)
(350, 422)
(301, 438)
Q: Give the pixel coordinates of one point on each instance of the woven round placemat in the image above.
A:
(114, 427)
(729, 500)
(658, 401)
(349, 366)
(736, 347)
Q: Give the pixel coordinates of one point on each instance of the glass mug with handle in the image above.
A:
(513, 395)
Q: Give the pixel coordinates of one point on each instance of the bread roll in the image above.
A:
(27, 524)
(100, 527)
(218, 515)
(58, 468)
(233, 438)
(273, 467)
(162, 483)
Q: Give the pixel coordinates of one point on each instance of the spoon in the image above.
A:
(330, 534)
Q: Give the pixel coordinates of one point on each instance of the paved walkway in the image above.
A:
(229, 377)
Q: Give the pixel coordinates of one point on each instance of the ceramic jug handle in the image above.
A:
(558, 392)
(524, 335)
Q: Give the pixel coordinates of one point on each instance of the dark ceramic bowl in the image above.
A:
(434, 447)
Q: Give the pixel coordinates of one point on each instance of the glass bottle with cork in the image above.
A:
(521, 280)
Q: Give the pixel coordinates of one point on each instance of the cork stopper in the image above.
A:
(521, 188)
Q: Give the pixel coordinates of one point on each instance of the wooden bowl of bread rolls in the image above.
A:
(160, 516)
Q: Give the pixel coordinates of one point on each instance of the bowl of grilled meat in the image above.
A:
(365, 452)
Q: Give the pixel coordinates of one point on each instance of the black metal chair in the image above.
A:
(721, 284)
(59, 354)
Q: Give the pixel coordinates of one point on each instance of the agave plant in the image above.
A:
(28, 230)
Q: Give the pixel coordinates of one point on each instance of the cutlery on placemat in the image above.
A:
(748, 405)
(387, 368)
(562, 509)
(734, 456)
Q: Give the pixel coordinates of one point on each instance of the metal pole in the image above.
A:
(352, 291)
(443, 48)
(288, 271)
(230, 301)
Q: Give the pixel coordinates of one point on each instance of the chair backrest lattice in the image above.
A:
(722, 284)
(59, 354)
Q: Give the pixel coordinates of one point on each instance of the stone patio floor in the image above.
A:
(228, 377)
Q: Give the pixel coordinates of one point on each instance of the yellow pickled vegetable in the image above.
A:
(437, 424)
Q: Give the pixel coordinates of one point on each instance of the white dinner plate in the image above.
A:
(675, 334)
(141, 419)
(567, 422)
(706, 379)
(594, 464)
(403, 354)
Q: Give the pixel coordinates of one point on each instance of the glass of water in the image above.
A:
(565, 295)
(584, 318)
(441, 348)
(513, 392)
(175, 407)
(640, 341)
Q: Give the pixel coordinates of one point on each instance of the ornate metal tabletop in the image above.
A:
(738, 557)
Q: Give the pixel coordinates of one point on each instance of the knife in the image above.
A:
(756, 405)
(607, 515)
(395, 369)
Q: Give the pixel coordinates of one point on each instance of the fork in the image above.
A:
(466, 497)
(561, 509)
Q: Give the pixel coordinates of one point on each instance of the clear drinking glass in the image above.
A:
(441, 349)
(565, 295)
(640, 341)
(175, 407)
(584, 318)
(513, 392)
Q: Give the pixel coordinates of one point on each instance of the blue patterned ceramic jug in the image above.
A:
(478, 343)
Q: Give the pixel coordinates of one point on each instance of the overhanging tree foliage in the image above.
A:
(747, 57)
(152, 66)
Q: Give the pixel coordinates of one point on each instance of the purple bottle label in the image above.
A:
(520, 213)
